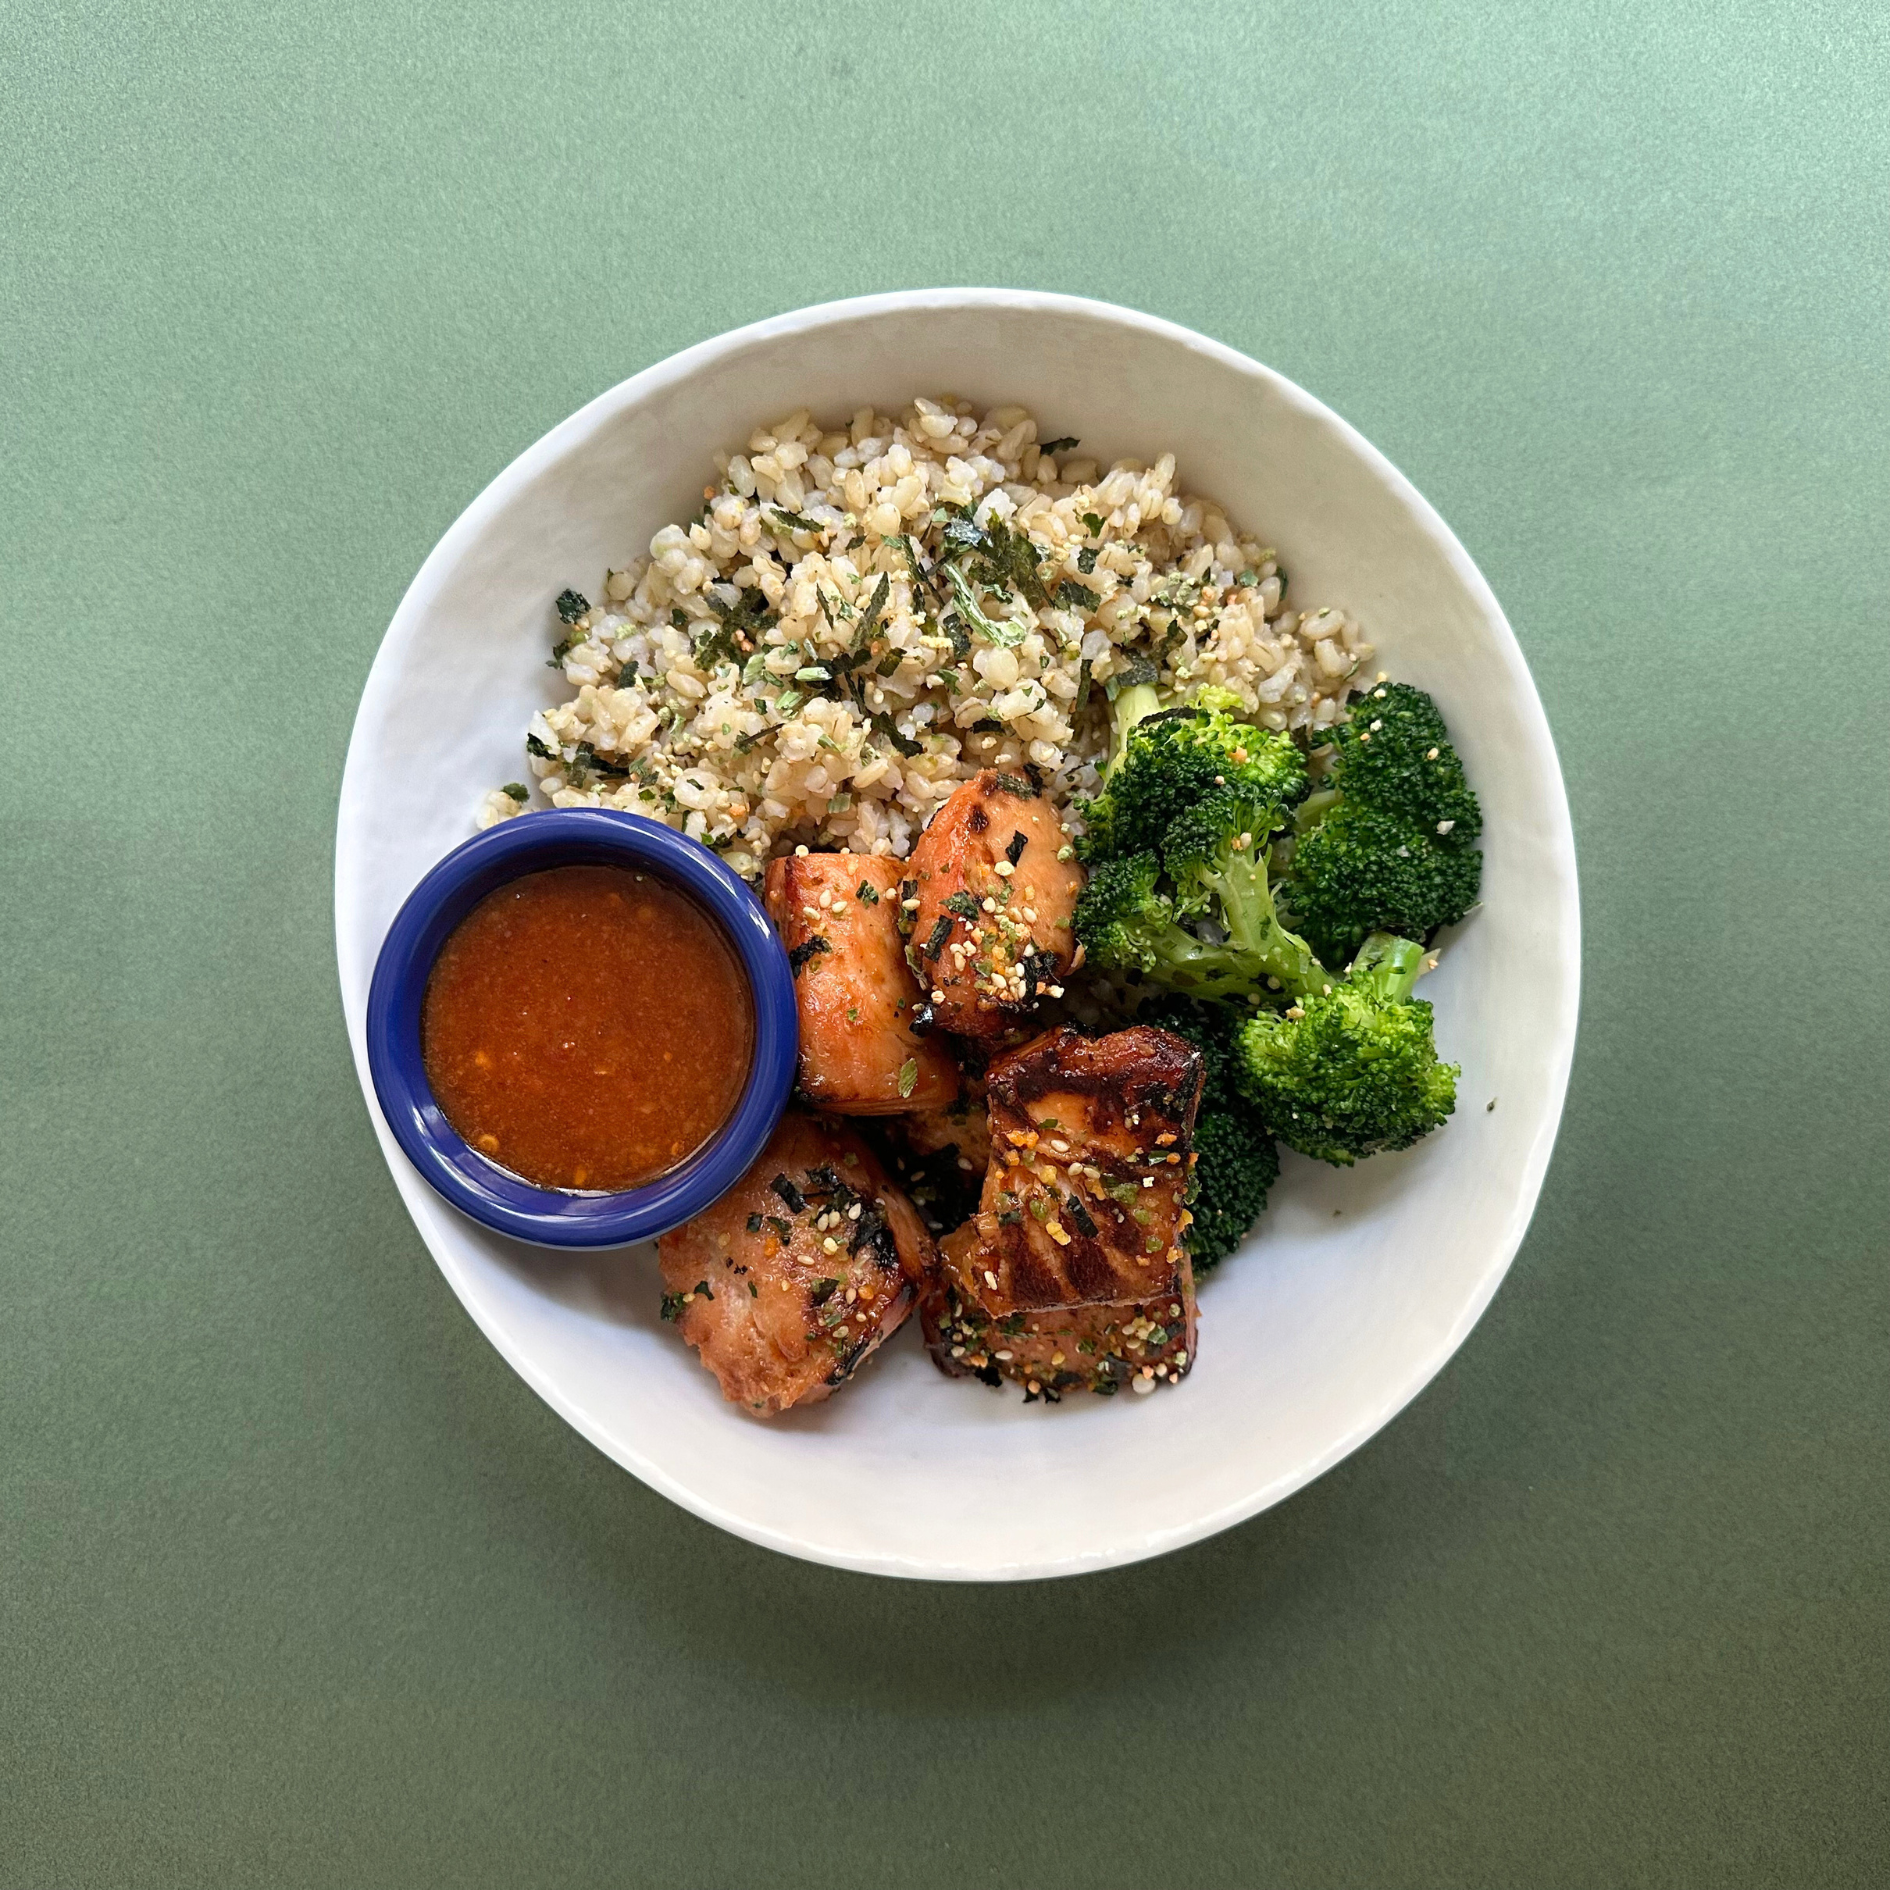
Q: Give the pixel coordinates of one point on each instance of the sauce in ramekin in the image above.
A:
(588, 1028)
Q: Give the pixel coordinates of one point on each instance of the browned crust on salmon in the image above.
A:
(1084, 1202)
(1053, 1350)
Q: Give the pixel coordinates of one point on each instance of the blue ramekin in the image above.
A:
(572, 836)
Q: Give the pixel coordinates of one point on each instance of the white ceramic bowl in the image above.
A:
(1358, 1285)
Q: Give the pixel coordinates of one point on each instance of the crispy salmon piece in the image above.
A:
(1052, 1350)
(838, 915)
(996, 884)
(1091, 1157)
(800, 1272)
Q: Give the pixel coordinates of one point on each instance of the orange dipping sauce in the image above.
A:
(588, 1028)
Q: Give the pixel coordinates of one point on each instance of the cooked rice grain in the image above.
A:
(719, 688)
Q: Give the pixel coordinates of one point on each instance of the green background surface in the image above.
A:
(299, 1585)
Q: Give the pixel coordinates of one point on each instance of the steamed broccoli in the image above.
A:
(1350, 1069)
(1182, 893)
(1126, 923)
(1214, 855)
(1390, 843)
(1236, 1161)
(1165, 760)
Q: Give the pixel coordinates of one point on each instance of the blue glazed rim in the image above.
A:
(489, 1194)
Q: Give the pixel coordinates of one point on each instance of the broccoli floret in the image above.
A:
(1351, 1070)
(1172, 759)
(1236, 1163)
(1236, 1160)
(1394, 754)
(1390, 843)
(1216, 854)
(1360, 871)
(1124, 922)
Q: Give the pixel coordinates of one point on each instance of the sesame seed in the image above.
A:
(908, 905)
(1444, 826)
(1004, 869)
(990, 905)
(1142, 1386)
(1055, 990)
(990, 1279)
(830, 1245)
(800, 853)
(1430, 754)
(1376, 726)
(938, 996)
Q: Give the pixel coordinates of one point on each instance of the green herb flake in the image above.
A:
(518, 791)
(868, 895)
(884, 726)
(791, 521)
(754, 1223)
(964, 904)
(1059, 446)
(823, 1290)
(908, 1076)
(1093, 523)
(572, 605)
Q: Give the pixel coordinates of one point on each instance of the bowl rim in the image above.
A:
(1563, 960)
(479, 1188)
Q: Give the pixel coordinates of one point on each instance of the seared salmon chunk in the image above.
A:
(795, 1277)
(838, 915)
(994, 884)
(1052, 1350)
(1091, 1158)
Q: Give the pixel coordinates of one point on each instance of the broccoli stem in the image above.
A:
(1134, 703)
(1239, 881)
(1314, 808)
(1388, 967)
